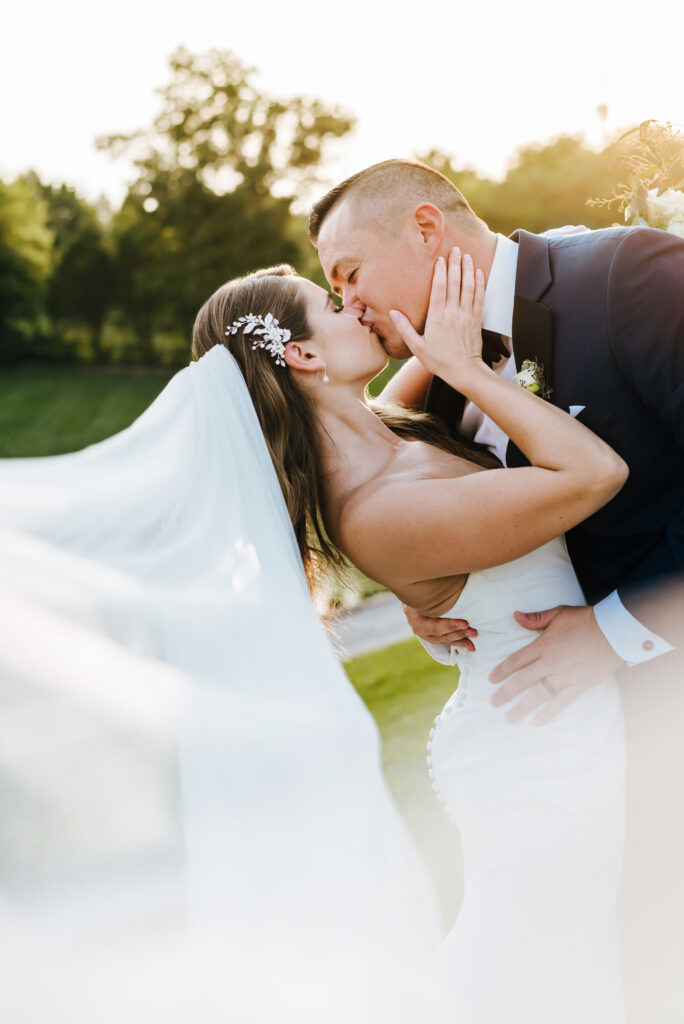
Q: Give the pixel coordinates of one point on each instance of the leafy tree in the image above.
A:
(549, 185)
(80, 289)
(25, 265)
(217, 173)
(546, 186)
(217, 125)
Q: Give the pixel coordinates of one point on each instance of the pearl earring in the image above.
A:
(326, 378)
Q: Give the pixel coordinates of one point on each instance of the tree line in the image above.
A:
(217, 175)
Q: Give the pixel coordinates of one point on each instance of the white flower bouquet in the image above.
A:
(664, 210)
(654, 193)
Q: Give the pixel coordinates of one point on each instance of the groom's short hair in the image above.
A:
(392, 182)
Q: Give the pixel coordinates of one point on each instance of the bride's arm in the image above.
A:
(409, 385)
(490, 517)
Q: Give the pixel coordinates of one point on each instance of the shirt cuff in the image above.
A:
(633, 642)
(445, 654)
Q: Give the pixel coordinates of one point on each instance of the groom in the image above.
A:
(603, 313)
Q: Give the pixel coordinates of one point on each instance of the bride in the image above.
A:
(194, 784)
(540, 811)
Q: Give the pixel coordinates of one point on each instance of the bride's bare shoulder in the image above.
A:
(366, 514)
(355, 498)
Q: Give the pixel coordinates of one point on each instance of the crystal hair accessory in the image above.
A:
(272, 337)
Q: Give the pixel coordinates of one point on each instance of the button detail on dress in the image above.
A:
(451, 705)
(647, 645)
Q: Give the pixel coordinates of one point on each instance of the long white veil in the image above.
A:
(194, 819)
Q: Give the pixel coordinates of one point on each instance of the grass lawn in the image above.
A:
(48, 410)
(405, 689)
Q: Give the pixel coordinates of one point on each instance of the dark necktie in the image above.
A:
(447, 402)
(493, 348)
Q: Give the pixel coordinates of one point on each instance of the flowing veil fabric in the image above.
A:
(195, 822)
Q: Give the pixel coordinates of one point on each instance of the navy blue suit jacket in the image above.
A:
(604, 312)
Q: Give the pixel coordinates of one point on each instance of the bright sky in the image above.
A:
(476, 80)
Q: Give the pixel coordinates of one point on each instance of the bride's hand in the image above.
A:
(452, 340)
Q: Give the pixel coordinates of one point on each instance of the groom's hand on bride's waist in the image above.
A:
(569, 657)
(450, 632)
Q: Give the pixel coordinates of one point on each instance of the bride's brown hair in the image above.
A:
(287, 413)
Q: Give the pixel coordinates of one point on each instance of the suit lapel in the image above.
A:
(533, 334)
(532, 322)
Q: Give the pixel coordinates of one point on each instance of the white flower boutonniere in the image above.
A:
(531, 377)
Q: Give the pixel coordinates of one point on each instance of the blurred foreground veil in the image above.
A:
(194, 820)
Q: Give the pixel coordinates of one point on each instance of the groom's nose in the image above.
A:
(353, 304)
(347, 293)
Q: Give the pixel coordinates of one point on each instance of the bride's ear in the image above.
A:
(299, 356)
(429, 222)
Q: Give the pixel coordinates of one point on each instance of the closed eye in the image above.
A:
(350, 278)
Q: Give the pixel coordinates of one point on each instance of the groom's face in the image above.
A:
(376, 267)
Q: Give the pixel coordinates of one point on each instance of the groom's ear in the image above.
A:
(429, 222)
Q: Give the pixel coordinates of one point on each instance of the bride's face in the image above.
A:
(351, 351)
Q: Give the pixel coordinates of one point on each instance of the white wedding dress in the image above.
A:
(195, 824)
(540, 811)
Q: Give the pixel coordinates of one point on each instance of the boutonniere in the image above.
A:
(531, 377)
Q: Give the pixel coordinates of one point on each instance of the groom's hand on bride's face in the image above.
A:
(569, 657)
(440, 631)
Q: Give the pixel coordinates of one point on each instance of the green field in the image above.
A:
(46, 410)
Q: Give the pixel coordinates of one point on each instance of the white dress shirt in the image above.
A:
(497, 316)
(626, 635)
